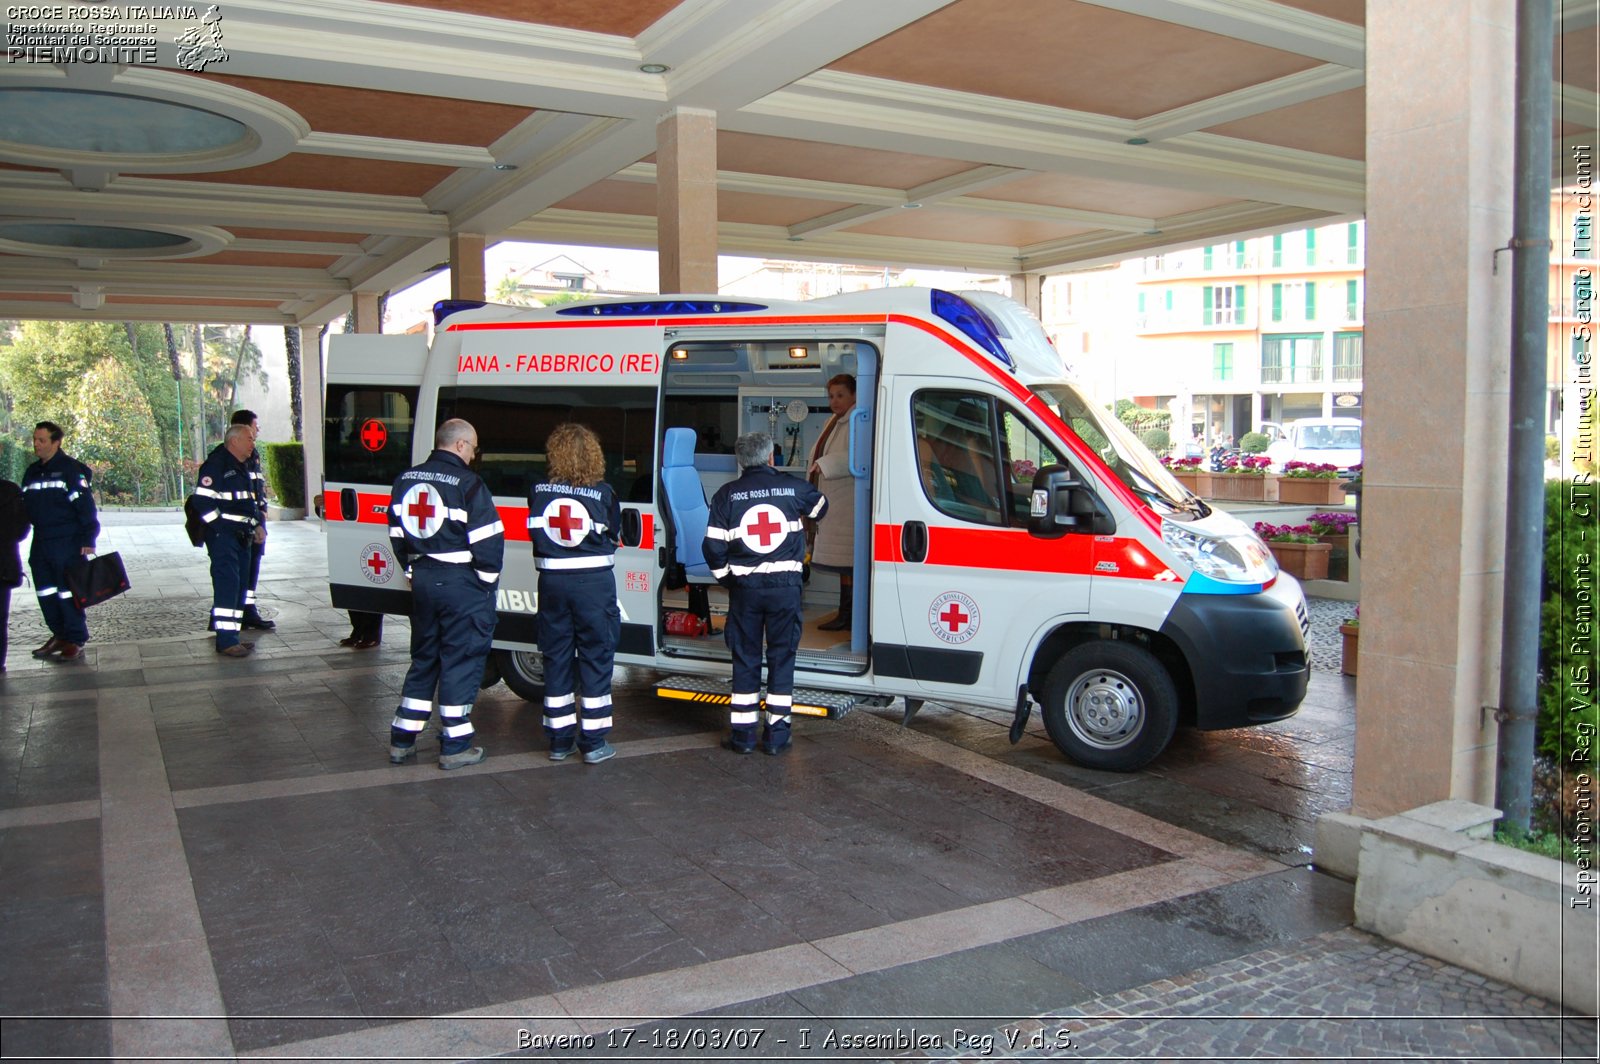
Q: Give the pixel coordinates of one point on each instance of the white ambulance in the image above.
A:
(1014, 543)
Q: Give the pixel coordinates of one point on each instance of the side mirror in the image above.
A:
(632, 528)
(1061, 503)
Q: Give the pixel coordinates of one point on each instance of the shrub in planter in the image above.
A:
(1158, 440)
(1254, 442)
(285, 467)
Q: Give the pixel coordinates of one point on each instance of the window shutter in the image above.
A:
(1277, 302)
(1205, 317)
(1206, 258)
(1277, 250)
(1238, 303)
(1311, 247)
(1311, 301)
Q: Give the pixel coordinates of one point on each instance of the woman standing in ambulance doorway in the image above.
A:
(830, 472)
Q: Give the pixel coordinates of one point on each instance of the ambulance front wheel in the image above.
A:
(1110, 705)
(523, 672)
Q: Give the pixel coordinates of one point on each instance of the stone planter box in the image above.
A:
(1240, 487)
(1311, 491)
(285, 513)
(1351, 651)
(1197, 481)
(1303, 561)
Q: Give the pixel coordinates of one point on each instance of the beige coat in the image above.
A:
(835, 546)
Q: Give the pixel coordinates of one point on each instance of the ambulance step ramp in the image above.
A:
(808, 702)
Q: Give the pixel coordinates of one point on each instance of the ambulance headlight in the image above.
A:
(1237, 557)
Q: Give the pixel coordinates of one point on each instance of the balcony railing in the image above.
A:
(1306, 374)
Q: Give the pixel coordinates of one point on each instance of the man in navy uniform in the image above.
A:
(258, 481)
(55, 490)
(755, 545)
(447, 536)
(228, 498)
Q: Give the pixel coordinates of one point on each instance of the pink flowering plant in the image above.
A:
(1250, 465)
(1181, 465)
(1285, 533)
(1331, 524)
(1311, 470)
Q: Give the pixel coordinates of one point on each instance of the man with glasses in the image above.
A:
(447, 536)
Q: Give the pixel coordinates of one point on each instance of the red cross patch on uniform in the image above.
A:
(422, 511)
(763, 528)
(566, 522)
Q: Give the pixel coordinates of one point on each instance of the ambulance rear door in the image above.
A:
(369, 426)
(515, 382)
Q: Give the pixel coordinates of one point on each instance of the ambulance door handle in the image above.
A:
(347, 504)
(914, 541)
(632, 528)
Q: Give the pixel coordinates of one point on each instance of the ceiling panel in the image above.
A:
(331, 173)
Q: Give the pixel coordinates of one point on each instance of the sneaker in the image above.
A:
(603, 752)
(561, 755)
(238, 650)
(777, 751)
(258, 621)
(463, 759)
(728, 744)
(68, 652)
(399, 755)
(51, 645)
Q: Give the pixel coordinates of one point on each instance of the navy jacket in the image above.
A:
(59, 501)
(572, 527)
(258, 483)
(755, 536)
(227, 494)
(440, 513)
(13, 529)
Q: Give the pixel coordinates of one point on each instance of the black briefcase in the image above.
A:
(97, 579)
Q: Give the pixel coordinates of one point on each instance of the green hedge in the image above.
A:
(1254, 443)
(14, 458)
(285, 467)
(1567, 658)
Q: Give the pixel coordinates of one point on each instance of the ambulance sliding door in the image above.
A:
(369, 423)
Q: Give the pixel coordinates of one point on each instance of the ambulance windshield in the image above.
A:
(1128, 459)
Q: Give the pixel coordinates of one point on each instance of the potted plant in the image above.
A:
(1299, 552)
(1350, 630)
(1190, 473)
(1242, 477)
(1311, 484)
(1333, 528)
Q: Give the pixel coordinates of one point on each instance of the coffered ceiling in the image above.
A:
(340, 142)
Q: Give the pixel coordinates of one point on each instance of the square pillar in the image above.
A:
(364, 316)
(1438, 334)
(1028, 289)
(311, 414)
(686, 201)
(466, 266)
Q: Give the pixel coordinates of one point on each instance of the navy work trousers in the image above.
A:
(754, 614)
(230, 573)
(50, 559)
(579, 626)
(452, 627)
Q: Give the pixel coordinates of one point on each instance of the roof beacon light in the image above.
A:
(974, 323)
(446, 307)
(653, 307)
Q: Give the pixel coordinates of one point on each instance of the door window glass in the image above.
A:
(1025, 453)
(367, 432)
(957, 455)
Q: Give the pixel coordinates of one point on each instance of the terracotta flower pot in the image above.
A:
(1311, 491)
(1242, 487)
(1352, 648)
(1303, 561)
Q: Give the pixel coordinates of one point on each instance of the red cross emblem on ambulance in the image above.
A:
(763, 528)
(422, 511)
(376, 564)
(954, 617)
(566, 522)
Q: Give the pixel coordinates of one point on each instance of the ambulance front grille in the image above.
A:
(808, 702)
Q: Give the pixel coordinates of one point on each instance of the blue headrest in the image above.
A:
(677, 448)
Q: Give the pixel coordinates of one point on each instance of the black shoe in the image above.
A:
(840, 623)
(777, 751)
(258, 621)
(727, 744)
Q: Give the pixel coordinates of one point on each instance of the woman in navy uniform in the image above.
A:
(574, 521)
(756, 545)
(447, 536)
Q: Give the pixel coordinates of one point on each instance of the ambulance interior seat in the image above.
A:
(689, 513)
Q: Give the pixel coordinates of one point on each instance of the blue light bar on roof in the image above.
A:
(446, 307)
(661, 307)
(973, 323)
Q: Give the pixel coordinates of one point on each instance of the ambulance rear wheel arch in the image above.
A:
(523, 672)
(1110, 704)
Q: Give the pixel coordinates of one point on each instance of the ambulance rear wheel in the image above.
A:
(1110, 705)
(523, 672)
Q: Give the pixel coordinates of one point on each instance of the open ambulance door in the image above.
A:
(369, 425)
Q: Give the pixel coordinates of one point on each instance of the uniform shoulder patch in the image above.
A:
(205, 481)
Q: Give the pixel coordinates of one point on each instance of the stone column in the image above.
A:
(466, 266)
(364, 313)
(311, 412)
(686, 201)
(1439, 150)
(1028, 289)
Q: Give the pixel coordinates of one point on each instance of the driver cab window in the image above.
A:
(957, 457)
(1025, 452)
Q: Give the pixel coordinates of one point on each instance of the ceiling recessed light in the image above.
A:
(505, 166)
(910, 206)
(438, 212)
(1137, 140)
(653, 68)
(1152, 232)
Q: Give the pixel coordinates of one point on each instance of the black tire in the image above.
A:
(523, 672)
(1110, 705)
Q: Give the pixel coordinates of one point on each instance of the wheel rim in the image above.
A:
(1105, 709)
(529, 665)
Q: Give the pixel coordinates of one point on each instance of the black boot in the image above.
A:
(841, 621)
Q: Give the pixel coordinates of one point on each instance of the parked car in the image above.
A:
(1324, 440)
